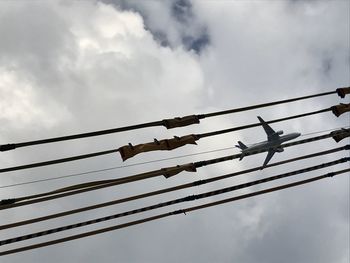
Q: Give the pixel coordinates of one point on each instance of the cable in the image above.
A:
(172, 202)
(141, 163)
(142, 147)
(177, 212)
(63, 160)
(118, 167)
(14, 202)
(168, 123)
(128, 151)
(209, 134)
(318, 132)
(167, 190)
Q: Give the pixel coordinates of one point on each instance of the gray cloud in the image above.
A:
(172, 23)
(182, 11)
(79, 66)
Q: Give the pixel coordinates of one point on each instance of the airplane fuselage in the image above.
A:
(271, 143)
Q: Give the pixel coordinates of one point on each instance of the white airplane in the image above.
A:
(273, 143)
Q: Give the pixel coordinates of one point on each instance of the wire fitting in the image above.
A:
(7, 147)
(343, 91)
(331, 174)
(180, 121)
(190, 198)
(7, 201)
(178, 212)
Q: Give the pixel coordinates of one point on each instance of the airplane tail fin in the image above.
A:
(241, 145)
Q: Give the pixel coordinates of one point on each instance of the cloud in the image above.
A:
(110, 58)
(98, 64)
(21, 104)
(172, 23)
(70, 67)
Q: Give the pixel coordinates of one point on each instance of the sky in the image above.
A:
(68, 67)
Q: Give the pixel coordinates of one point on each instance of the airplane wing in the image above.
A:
(271, 134)
(268, 157)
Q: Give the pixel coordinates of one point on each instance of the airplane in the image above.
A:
(273, 143)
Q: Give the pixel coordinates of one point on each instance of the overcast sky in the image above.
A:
(69, 67)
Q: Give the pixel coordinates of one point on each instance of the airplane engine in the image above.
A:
(279, 150)
(279, 132)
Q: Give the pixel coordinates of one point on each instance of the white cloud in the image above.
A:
(82, 66)
(20, 106)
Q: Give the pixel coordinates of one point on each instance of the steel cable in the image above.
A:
(15, 202)
(168, 123)
(166, 190)
(177, 212)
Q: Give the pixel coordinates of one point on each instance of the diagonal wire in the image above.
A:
(177, 212)
(95, 154)
(172, 202)
(141, 163)
(167, 190)
(179, 122)
(14, 202)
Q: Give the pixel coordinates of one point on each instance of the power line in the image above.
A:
(141, 163)
(172, 202)
(117, 167)
(168, 123)
(130, 150)
(177, 212)
(318, 132)
(167, 190)
(86, 187)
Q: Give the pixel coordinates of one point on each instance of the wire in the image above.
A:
(209, 134)
(142, 163)
(172, 202)
(15, 202)
(168, 123)
(198, 136)
(166, 190)
(116, 167)
(318, 132)
(176, 212)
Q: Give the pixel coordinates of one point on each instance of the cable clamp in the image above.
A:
(131, 146)
(177, 212)
(343, 91)
(7, 147)
(199, 182)
(345, 159)
(7, 201)
(330, 174)
(190, 198)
